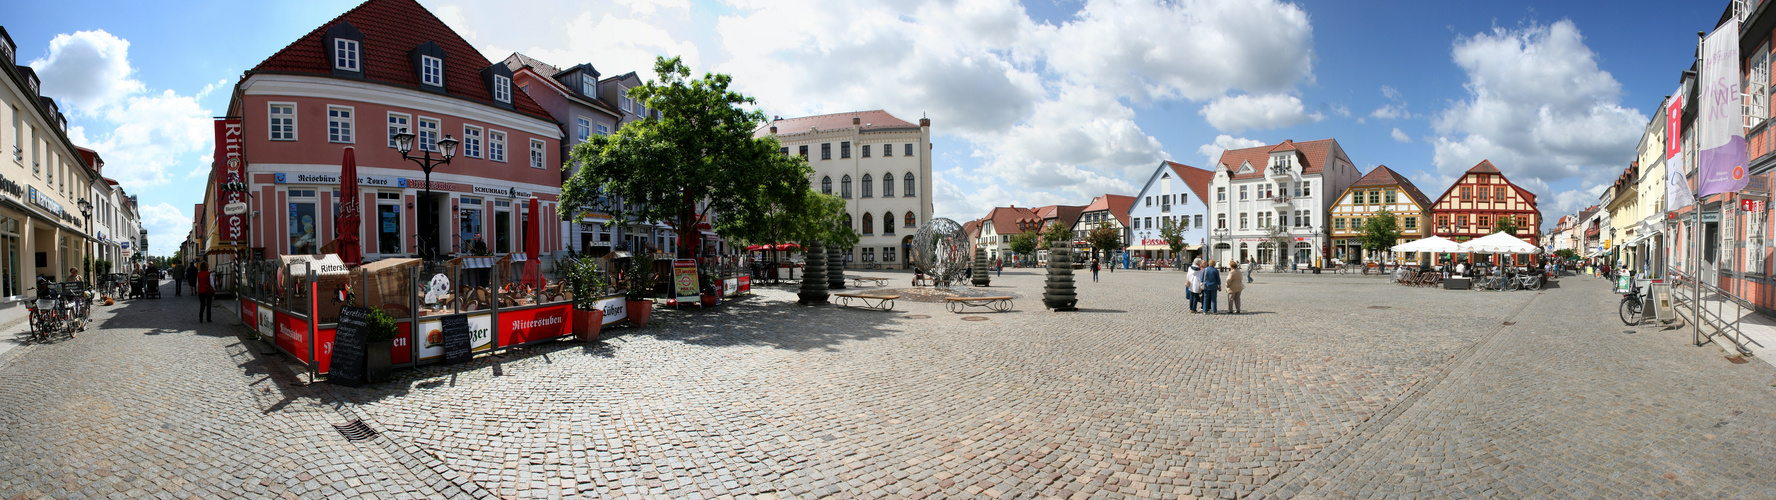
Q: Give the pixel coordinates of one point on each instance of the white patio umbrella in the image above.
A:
(1431, 244)
(1499, 243)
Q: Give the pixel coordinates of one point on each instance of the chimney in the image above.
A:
(773, 130)
(856, 120)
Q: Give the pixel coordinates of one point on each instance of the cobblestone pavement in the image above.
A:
(1332, 386)
(148, 403)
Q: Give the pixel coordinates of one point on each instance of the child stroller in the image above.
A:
(151, 285)
(135, 291)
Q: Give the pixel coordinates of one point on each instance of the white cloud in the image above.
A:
(1539, 108)
(1247, 112)
(1401, 136)
(1192, 49)
(1222, 143)
(647, 7)
(86, 71)
(1395, 109)
(166, 226)
(140, 134)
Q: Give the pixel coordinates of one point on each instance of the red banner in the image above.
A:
(230, 167)
(518, 326)
(1673, 127)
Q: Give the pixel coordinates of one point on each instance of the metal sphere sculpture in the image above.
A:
(940, 251)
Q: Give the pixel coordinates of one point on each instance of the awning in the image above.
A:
(1637, 239)
(478, 262)
(621, 255)
(517, 256)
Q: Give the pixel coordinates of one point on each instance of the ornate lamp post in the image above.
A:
(86, 208)
(446, 148)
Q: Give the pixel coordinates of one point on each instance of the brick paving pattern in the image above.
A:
(1333, 386)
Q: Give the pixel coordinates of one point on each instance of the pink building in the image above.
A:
(385, 67)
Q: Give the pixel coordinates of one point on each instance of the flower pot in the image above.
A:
(586, 324)
(377, 361)
(711, 299)
(639, 311)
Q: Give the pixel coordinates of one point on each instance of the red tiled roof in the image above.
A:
(867, 120)
(1314, 156)
(1198, 179)
(392, 29)
(1383, 176)
(1117, 204)
(1005, 219)
(1064, 215)
(1484, 167)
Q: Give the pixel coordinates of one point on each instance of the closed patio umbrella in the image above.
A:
(345, 225)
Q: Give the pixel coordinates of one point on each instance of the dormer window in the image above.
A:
(345, 54)
(589, 86)
(623, 98)
(502, 88)
(431, 71)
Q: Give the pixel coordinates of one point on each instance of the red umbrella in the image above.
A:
(531, 273)
(346, 223)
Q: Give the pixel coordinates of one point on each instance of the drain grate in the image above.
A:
(1737, 360)
(355, 431)
(974, 318)
(1381, 307)
(917, 316)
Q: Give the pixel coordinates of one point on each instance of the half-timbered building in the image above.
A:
(1481, 198)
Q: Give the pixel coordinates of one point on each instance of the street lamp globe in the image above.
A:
(447, 146)
(85, 208)
(404, 142)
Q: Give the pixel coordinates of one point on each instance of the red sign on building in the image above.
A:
(231, 177)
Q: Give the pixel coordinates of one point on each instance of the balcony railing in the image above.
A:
(1281, 200)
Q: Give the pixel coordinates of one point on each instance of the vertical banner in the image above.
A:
(1677, 184)
(1720, 127)
(230, 168)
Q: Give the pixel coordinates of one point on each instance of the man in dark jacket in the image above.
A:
(1211, 283)
(178, 280)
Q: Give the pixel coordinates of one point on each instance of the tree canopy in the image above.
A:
(1024, 243)
(1056, 233)
(1381, 231)
(1173, 233)
(1505, 224)
(697, 158)
(1104, 237)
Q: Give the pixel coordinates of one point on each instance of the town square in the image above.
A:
(975, 249)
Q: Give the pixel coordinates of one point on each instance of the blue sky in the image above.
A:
(1047, 101)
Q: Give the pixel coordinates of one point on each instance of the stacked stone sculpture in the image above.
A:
(1057, 292)
(835, 270)
(981, 277)
(813, 291)
(940, 251)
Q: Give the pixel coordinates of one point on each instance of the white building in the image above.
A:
(880, 165)
(1176, 192)
(1289, 185)
(1000, 224)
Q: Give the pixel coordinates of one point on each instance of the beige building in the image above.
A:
(880, 165)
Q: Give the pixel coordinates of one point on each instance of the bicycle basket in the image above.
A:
(46, 304)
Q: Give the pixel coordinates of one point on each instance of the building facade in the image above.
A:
(383, 68)
(1381, 189)
(1002, 223)
(880, 165)
(1107, 210)
(1174, 192)
(572, 98)
(1479, 199)
(1624, 209)
(1279, 191)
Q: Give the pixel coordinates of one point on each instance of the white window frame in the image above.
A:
(496, 148)
(271, 122)
(502, 88)
(623, 99)
(347, 54)
(539, 154)
(341, 130)
(584, 127)
(406, 125)
(471, 142)
(419, 133)
(426, 74)
(588, 86)
(603, 129)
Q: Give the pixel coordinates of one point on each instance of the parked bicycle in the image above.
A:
(1631, 304)
(1526, 281)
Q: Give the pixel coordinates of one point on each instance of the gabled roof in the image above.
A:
(1383, 176)
(972, 229)
(874, 119)
(518, 61)
(1005, 219)
(1198, 179)
(392, 29)
(1485, 167)
(1314, 155)
(546, 72)
(1064, 215)
(1117, 204)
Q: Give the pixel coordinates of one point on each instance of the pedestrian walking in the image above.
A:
(1211, 284)
(999, 267)
(1234, 286)
(1094, 270)
(206, 292)
(178, 280)
(1193, 284)
(1249, 268)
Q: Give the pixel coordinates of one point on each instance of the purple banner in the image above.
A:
(1720, 126)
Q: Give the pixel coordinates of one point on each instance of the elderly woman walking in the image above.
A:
(1193, 284)
(1234, 286)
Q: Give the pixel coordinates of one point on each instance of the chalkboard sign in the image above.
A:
(456, 338)
(349, 342)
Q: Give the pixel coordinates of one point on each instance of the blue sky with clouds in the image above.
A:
(1033, 103)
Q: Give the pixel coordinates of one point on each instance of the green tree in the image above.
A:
(1567, 253)
(1381, 231)
(1056, 233)
(1279, 245)
(1103, 238)
(1024, 243)
(1173, 233)
(1505, 224)
(698, 157)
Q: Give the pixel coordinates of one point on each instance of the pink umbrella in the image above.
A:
(531, 244)
(346, 223)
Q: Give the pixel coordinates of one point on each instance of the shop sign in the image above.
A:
(684, 278)
(10, 187)
(234, 208)
(1154, 241)
(509, 192)
(42, 199)
(480, 336)
(1752, 205)
(1710, 216)
(231, 169)
(533, 324)
(363, 180)
(615, 309)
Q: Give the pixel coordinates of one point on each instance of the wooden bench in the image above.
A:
(922, 281)
(959, 304)
(879, 281)
(881, 302)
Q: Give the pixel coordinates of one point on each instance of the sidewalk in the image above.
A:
(1759, 330)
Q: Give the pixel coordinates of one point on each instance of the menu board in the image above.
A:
(456, 338)
(349, 343)
(684, 278)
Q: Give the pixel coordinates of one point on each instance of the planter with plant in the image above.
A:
(585, 284)
(638, 283)
(380, 340)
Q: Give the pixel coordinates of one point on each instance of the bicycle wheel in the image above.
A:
(1630, 310)
(1533, 285)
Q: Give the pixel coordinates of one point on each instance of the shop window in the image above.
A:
(888, 254)
(11, 279)
(502, 228)
(388, 223)
(302, 222)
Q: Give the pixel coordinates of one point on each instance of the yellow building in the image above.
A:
(1646, 247)
(1624, 215)
(1381, 189)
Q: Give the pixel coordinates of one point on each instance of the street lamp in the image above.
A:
(86, 219)
(447, 149)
